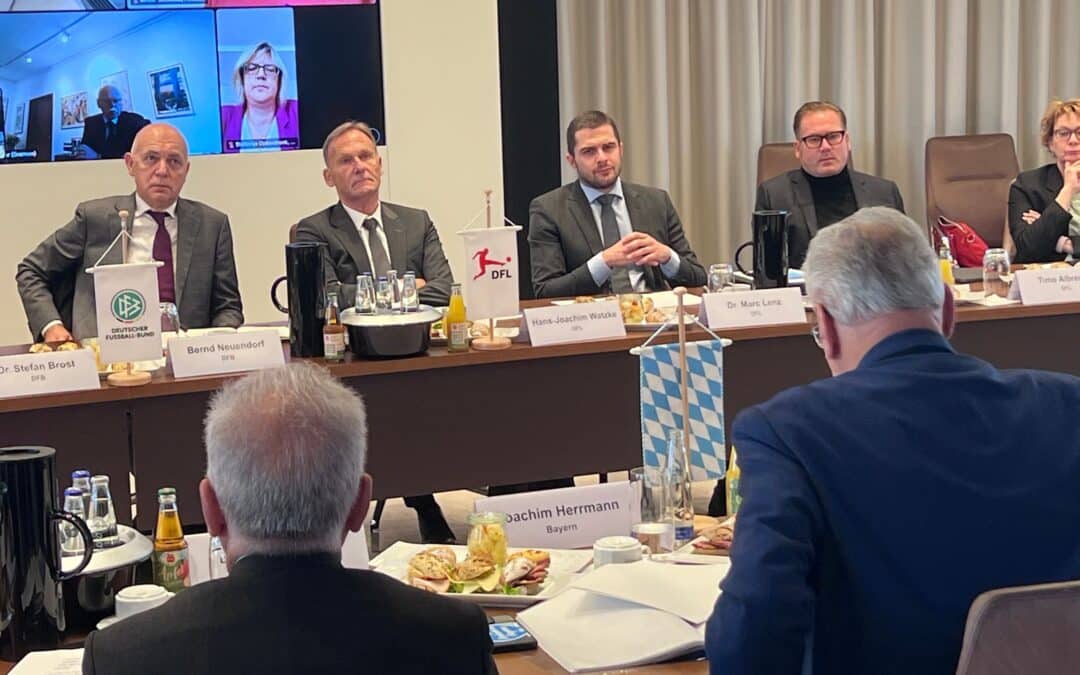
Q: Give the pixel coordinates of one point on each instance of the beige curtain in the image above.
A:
(698, 85)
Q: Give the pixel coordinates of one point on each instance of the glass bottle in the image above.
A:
(333, 330)
(365, 293)
(733, 481)
(945, 261)
(102, 519)
(410, 299)
(170, 547)
(677, 470)
(383, 297)
(395, 290)
(71, 542)
(487, 536)
(456, 322)
(81, 479)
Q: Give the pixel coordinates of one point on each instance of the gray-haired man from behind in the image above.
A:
(285, 483)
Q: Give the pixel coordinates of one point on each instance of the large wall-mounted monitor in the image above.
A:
(79, 77)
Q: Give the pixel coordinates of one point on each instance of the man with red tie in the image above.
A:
(193, 241)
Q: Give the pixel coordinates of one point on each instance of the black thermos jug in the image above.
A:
(770, 249)
(306, 310)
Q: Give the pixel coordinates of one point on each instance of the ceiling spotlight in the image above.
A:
(64, 36)
(29, 59)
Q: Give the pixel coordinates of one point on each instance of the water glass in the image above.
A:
(410, 299)
(652, 525)
(721, 277)
(365, 294)
(996, 272)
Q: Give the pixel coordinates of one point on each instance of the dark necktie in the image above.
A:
(379, 259)
(163, 252)
(110, 131)
(620, 276)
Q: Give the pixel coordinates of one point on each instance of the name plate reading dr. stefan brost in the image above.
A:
(220, 353)
(576, 322)
(50, 373)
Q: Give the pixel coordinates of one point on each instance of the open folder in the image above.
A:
(627, 615)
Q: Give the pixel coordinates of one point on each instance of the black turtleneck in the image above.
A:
(834, 198)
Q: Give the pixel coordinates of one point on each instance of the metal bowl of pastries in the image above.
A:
(390, 334)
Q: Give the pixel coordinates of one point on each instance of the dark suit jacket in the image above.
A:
(1037, 190)
(412, 238)
(791, 192)
(297, 614)
(54, 285)
(864, 537)
(127, 126)
(563, 236)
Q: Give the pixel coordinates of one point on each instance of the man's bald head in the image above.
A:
(158, 162)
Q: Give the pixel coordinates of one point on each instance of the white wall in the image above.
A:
(441, 81)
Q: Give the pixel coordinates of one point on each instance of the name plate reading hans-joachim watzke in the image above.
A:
(216, 354)
(562, 324)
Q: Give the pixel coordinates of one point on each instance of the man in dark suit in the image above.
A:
(192, 239)
(825, 189)
(110, 134)
(284, 484)
(364, 234)
(599, 234)
(864, 537)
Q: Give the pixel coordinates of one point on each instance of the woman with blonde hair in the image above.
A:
(1044, 203)
(264, 119)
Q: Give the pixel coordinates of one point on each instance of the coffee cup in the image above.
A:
(139, 598)
(616, 550)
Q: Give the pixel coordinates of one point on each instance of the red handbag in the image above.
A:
(967, 246)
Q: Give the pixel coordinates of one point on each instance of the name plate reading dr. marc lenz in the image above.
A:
(225, 353)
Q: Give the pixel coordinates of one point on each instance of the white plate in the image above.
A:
(963, 294)
(565, 564)
(687, 319)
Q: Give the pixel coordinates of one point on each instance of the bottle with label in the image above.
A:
(681, 499)
(946, 262)
(102, 517)
(333, 330)
(456, 322)
(731, 482)
(71, 542)
(170, 547)
(81, 479)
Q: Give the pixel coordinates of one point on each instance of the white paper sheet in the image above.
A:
(687, 591)
(55, 662)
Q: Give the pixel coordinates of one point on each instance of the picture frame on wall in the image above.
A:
(120, 81)
(170, 91)
(73, 110)
(20, 119)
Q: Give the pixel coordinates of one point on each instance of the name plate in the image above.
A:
(1046, 287)
(216, 354)
(742, 309)
(49, 373)
(572, 517)
(562, 324)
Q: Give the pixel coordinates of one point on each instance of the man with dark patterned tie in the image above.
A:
(193, 241)
(364, 234)
(110, 134)
(599, 234)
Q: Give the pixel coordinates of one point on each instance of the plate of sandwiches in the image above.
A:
(643, 311)
(527, 577)
(711, 546)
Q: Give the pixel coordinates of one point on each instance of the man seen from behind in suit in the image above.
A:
(863, 538)
(192, 239)
(599, 234)
(364, 234)
(825, 189)
(110, 134)
(285, 483)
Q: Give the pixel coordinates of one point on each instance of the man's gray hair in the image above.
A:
(285, 452)
(873, 262)
(340, 130)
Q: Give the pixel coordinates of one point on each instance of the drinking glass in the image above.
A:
(996, 272)
(652, 526)
(720, 277)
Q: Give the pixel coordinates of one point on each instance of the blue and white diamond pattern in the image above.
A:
(661, 409)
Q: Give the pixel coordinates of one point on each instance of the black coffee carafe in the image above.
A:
(770, 250)
(31, 595)
(306, 310)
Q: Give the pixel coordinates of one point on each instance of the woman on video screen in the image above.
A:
(263, 120)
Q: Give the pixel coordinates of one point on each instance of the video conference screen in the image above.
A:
(78, 78)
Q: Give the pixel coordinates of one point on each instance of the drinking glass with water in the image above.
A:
(996, 272)
(721, 277)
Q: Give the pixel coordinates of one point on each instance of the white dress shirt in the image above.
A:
(358, 219)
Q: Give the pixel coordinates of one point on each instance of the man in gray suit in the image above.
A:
(192, 239)
(824, 190)
(364, 234)
(599, 234)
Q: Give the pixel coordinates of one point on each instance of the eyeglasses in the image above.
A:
(815, 333)
(814, 140)
(1064, 134)
(268, 68)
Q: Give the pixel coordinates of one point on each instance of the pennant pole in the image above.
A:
(684, 378)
